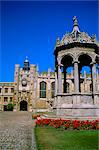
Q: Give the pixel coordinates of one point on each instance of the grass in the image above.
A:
(41, 113)
(57, 139)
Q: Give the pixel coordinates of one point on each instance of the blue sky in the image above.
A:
(31, 28)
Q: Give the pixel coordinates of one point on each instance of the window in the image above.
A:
(5, 99)
(10, 99)
(6, 90)
(52, 89)
(27, 93)
(12, 90)
(19, 93)
(43, 89)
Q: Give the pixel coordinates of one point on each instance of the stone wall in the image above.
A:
(77, 112)
(76, 105)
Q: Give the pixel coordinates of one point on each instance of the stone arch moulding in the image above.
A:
(96, 56)
(86, 53)
(52, 82)
(43, 81)
(67, 54)
(23, 99)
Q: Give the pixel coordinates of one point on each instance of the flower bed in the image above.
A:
(35, 116)
(69, 124)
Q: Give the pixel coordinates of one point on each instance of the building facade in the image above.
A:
(66, 92)
(30, 89)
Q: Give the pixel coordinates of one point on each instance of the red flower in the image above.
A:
(75, 124)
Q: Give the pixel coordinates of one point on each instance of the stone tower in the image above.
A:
(25, 86)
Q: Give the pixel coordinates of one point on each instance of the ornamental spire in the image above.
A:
(26, 64)
(75, 25)
(26, 59)
(75, 21)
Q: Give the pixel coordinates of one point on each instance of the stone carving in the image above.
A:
(58, 42)
(77, 36)
(81, 37)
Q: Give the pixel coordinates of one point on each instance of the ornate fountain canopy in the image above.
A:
(76, 36)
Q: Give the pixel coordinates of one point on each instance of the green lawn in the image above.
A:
(57, 139)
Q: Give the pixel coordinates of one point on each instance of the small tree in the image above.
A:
(10, 107)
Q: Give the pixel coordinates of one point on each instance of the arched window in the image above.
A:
(52, 89)
(42, 89)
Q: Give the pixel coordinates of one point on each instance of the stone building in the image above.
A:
(6, 94)
(33, 90)
(30, 90)
(74, 92)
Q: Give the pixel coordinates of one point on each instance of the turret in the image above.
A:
(26, 65)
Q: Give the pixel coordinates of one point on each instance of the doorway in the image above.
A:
(23, 106)
(5, 108)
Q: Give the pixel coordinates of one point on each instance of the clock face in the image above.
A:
(24, 82)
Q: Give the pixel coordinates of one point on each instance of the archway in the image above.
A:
(66, 70)
(5, 108)
(23, 106)
(85, 71)
(97, 65)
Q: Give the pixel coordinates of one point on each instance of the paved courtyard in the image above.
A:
(16, 131)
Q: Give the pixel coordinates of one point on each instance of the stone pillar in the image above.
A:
(55, 83)
(72, 74)
(49, 85)
(76, 77)
(94, 77)
(56, 90)
(85, 77)
(85, 82)
(97, 81)
(59, 79)
(97, 75)
(65, 80)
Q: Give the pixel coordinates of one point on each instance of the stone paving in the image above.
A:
(16, 131)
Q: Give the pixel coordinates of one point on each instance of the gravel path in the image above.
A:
(16, 131)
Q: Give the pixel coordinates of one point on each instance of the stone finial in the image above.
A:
(37, 68)
(75, 21)
(49, 70)
(75, 25)
(17, 66)
(93, 38)
(58, 42)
